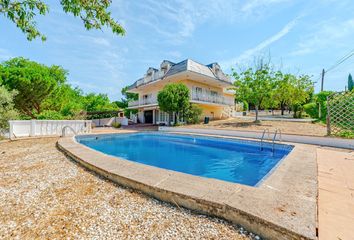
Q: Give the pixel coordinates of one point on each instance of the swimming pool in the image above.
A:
(237, 161)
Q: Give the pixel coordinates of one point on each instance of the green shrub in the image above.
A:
(50, 115)
(193, 114)
(346, 134)
(116, 125)
(312, 110)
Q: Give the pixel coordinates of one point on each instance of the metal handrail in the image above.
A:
(274, 137)
(264, 131)
(64, 128)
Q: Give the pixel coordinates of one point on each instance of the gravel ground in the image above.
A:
(45, 195)
(298, 128)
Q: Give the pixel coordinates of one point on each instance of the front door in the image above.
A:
(148, 116)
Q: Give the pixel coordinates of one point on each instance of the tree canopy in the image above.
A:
(253, 85)
(7, 110)
(127, 97)
(94, 14)
(350, 82)
(264, 87)
(98, 102)
(43, 91)
(174, 97)
(33, 81)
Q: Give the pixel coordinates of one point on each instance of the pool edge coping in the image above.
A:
(208, 196)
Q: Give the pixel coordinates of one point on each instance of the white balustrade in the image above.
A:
(143, 101)
(30, 128)
(212, 98)
(196, 96)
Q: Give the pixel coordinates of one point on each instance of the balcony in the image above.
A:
(143, 102)
(212, 98)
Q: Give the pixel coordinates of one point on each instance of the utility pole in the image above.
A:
(319, 104)
(323, 73)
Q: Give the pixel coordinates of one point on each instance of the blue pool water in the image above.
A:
(237, 161)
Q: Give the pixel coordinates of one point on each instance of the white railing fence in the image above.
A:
(31, 128)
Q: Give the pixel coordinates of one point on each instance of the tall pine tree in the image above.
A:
(350, 82)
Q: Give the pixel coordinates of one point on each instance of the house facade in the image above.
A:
(208, 87)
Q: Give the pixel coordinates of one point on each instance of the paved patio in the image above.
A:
(336, 194)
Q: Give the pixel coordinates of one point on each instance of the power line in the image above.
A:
(341, 60)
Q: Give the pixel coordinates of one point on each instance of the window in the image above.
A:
(198, 93)
(161, 117)
(198, 90)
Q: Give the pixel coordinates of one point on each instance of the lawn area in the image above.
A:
(46, 195)
(299, 128)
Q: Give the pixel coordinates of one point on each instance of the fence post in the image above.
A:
(33, 128)
(11, 130)
(90, 126)
(328, 118)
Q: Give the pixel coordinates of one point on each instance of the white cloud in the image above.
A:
(250, 53)
(100, 41)
(258, 5)
(177, 20)
(326, 34)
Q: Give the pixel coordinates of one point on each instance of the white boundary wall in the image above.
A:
(31, 128)
(108, 121)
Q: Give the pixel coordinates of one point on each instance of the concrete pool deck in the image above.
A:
(283, 206)
(336, 193)
(290, 138)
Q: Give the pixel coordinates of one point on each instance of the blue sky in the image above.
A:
(301, 37)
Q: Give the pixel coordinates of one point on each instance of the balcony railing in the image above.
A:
(200, 97)
(144, 101)
(210, 98)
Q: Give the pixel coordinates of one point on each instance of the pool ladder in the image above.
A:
(277, 131)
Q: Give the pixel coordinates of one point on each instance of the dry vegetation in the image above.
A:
(45, 195)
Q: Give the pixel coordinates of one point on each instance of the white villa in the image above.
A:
(207, 83)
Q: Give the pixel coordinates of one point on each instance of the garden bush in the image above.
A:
(116, 125)
(312, 110)
(193, 114)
